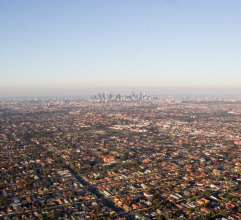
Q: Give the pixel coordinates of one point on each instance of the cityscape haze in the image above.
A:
(120, 110)
(60, 48)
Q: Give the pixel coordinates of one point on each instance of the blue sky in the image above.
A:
(80, 47)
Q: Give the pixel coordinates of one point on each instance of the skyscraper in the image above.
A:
(140, 95)
(107, 95)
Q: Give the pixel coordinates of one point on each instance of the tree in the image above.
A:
(169, 215)
(208, 193)
(52, 215)
(40, 217)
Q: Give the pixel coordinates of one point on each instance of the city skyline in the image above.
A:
(78, 48)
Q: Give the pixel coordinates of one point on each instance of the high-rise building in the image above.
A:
(140, 95)
(107, 95)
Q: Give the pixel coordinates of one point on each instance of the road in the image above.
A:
(105, 201)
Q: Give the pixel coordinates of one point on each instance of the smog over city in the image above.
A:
(120, 110)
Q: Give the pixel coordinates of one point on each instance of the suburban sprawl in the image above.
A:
(116, 156)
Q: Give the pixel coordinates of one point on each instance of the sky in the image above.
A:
(82, 47)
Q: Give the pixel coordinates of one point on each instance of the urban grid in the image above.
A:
(115, 156)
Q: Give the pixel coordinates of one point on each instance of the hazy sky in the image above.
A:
(78, 47)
